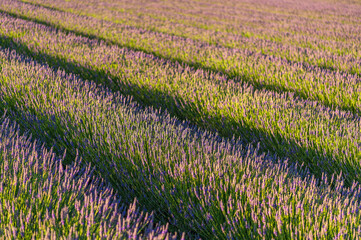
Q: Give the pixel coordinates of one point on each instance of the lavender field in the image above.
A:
(182, 119)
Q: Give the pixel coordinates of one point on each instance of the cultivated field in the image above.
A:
(180, 119)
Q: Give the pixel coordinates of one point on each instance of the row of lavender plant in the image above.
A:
(296, 39)
(40, 199)
(323, 139)
(332, 88)
(198, 180)
(241, 17)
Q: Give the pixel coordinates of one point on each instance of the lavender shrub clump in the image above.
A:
(315, 75)
(41, 199)
(195, 179)
(223, 119)
(283, 123)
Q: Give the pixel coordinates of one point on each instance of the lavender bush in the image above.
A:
(335, 87)
(197, 180)
(41, 199)
(245, 124)
(284, 124)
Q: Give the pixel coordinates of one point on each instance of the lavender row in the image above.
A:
(247, 18)
(332, 88)
(40, 199)
(296, 39)
(198, 180)
(321, 138)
